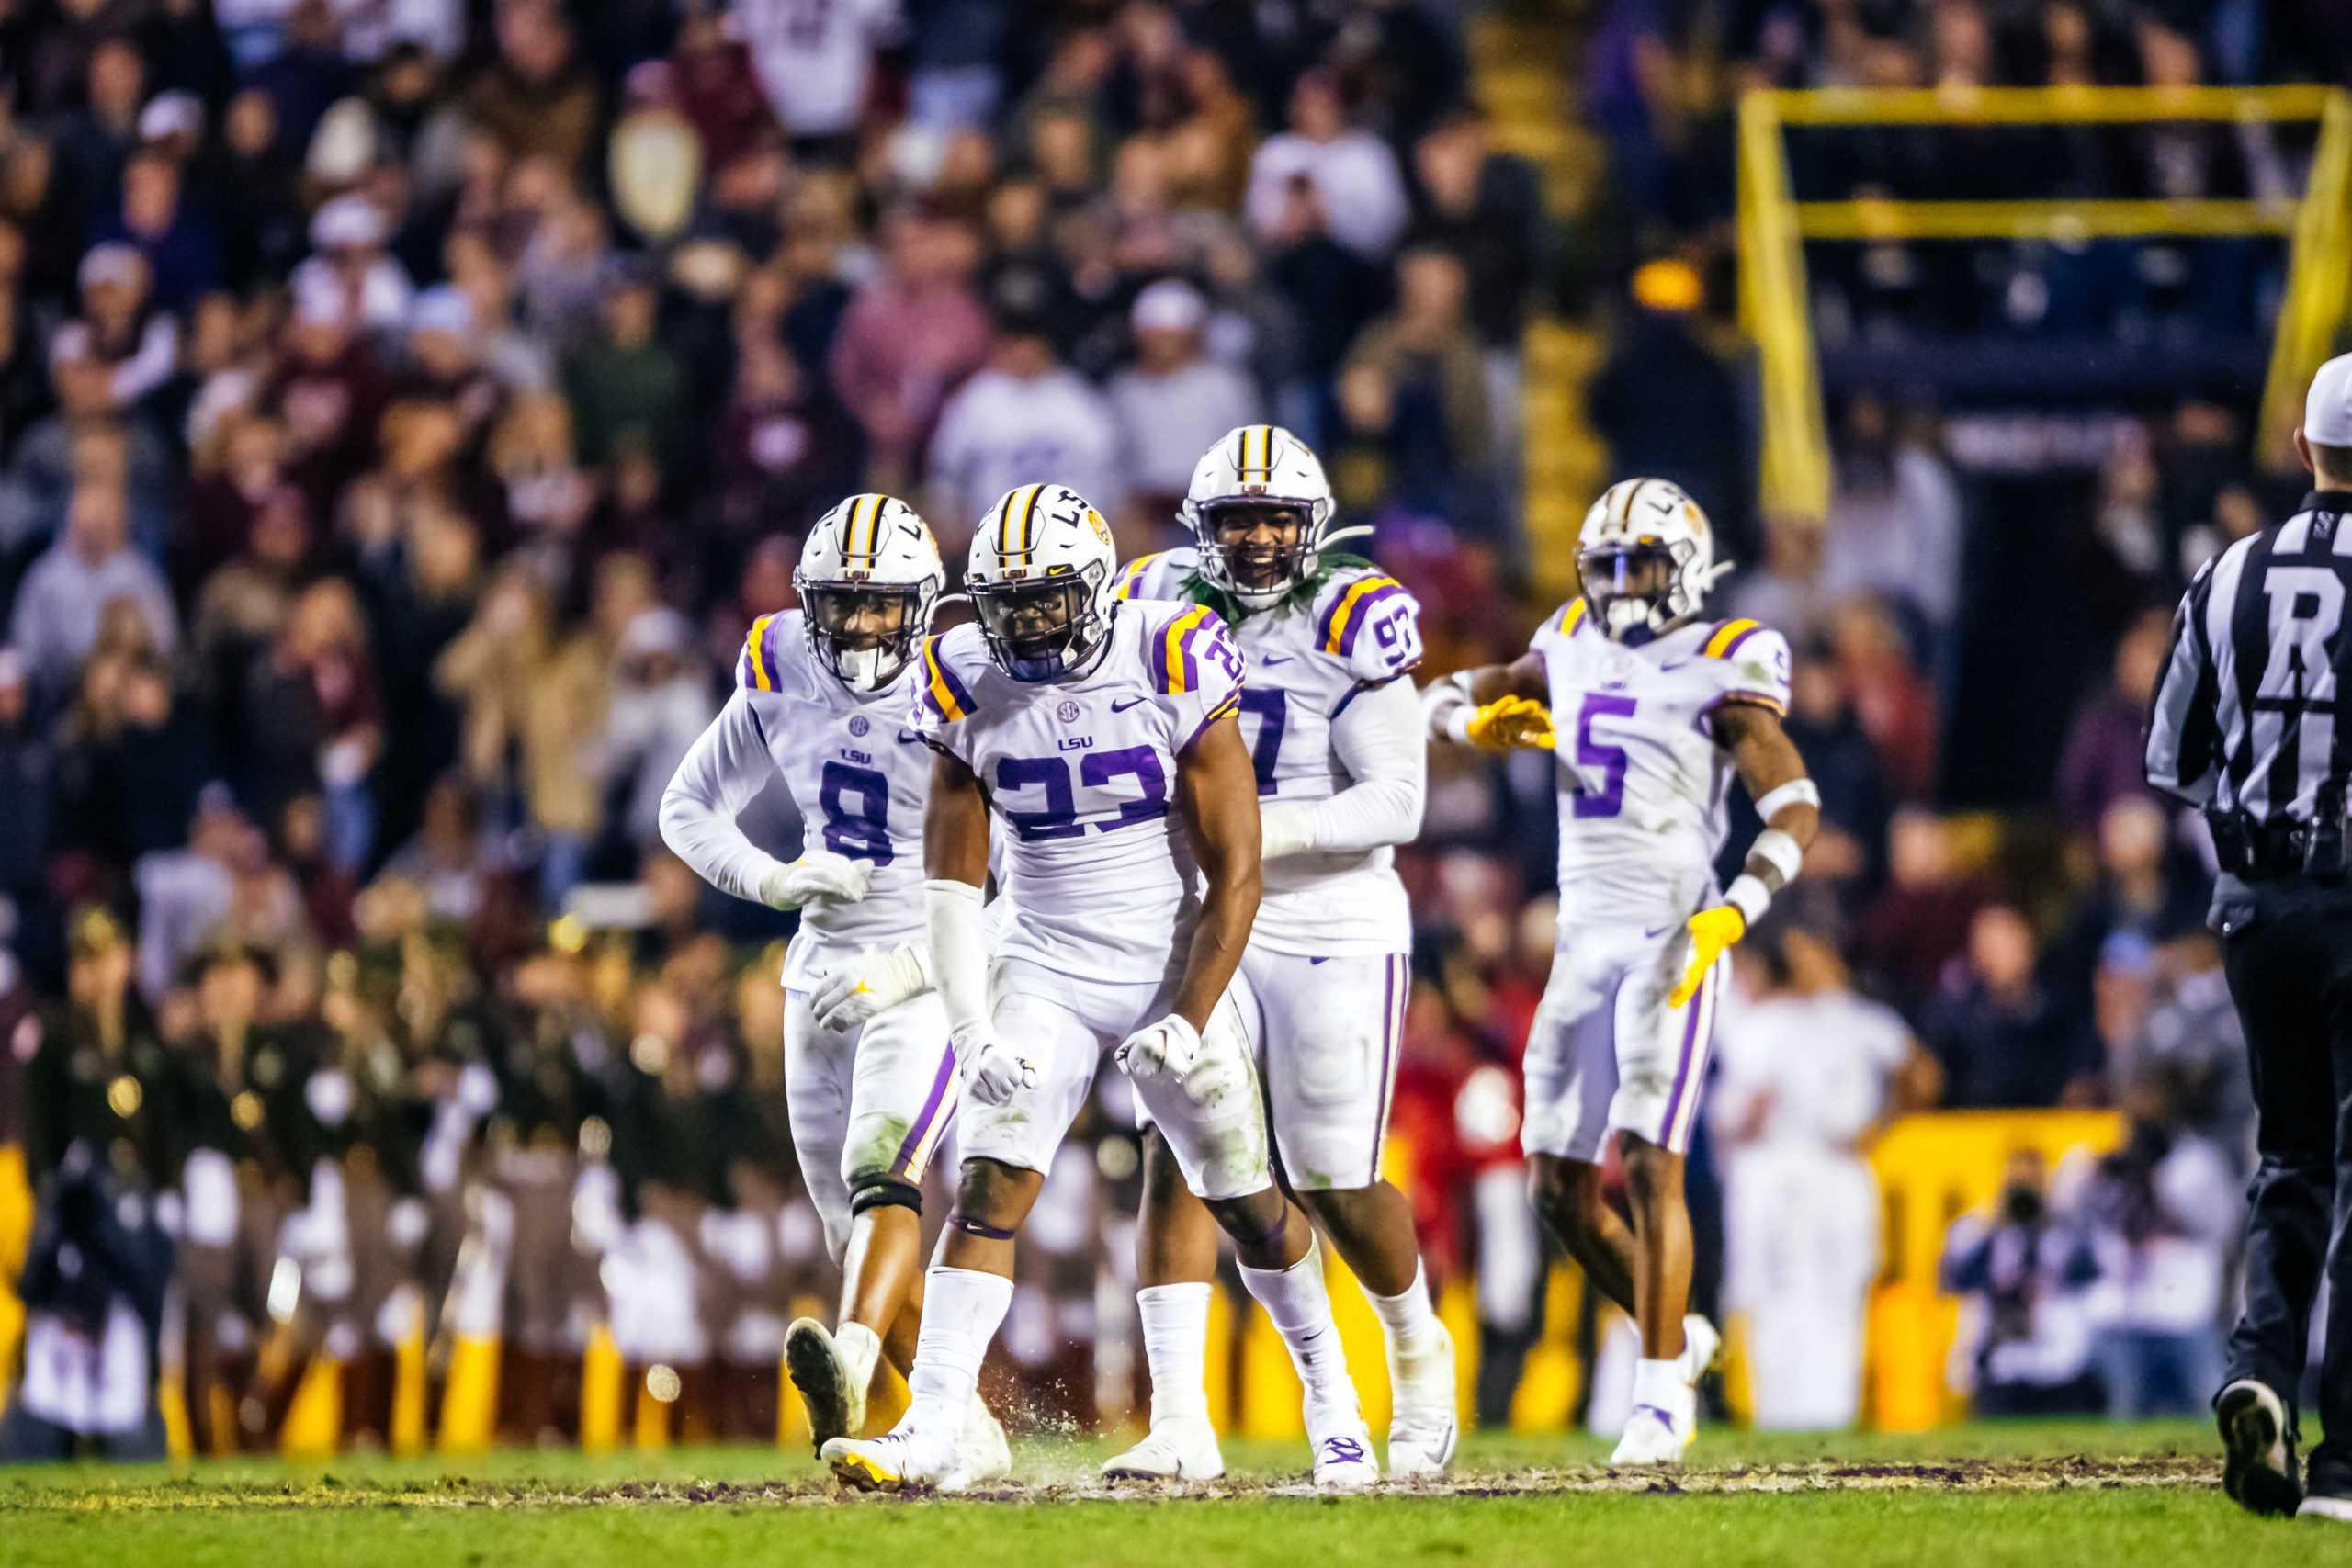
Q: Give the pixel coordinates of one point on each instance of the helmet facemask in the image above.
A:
(1258, 548)
(1638, 590)
(1045, 627)
(865, 632)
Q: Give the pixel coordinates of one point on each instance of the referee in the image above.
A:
(2245, 726)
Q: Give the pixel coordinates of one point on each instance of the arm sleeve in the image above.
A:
(727, 765)
(1377, 734)
(959, 953)
(2182, 733)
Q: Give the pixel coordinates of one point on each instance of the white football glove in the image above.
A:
(992, 1073)
(848, 996)
(817, 875)
(1167, 1049)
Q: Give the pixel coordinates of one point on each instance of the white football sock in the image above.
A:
(1295, 1298)
(860, 1348)
(1175, 1346)
(962, 1309)
(1409, 1320)
(1661, 1385)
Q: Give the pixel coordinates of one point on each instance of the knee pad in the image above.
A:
(880, 1190)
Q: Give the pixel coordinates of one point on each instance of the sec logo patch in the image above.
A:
(859, 724)
(1067, 712)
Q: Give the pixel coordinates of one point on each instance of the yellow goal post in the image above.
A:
(1775, 306)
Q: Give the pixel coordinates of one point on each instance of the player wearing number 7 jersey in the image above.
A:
(1100, 735)
(1651, 708)
(821, 696)
(1334, 737)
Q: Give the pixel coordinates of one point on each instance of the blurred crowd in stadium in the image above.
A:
(405, 406)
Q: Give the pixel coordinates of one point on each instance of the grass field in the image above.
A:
(2038, 1494)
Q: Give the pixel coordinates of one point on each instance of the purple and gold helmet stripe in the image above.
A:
(946, 694)
(1353, 609)
(1173, 667)
(1015, 537)
(1725, 639)
(863, 536)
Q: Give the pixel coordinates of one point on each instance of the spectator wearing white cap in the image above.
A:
(1173, 402)
(660, 704)
(118, 351)
(347, 235)
(444, 365)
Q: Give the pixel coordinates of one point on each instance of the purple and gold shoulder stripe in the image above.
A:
(1352, 611)
(1569, 618)
(943, 694)
(756, 668)
(1130, 575)
(1175, 662)
(1724, 640)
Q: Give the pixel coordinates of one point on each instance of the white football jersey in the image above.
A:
(859, 776)
(1307, 663)
(1098, 879)
(1642, 782)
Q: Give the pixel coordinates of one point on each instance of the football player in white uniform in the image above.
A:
(1102, 734)
(1661, 708)
(1335, 736)
(821, 696)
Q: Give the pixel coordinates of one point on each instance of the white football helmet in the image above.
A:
(1040, 577)
(1261, 473)
(868, 577)
(1648, 559)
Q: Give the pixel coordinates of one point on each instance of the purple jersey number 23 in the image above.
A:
(1595, 753)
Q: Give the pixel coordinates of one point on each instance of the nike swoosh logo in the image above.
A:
(1660, 931)
(1313, 962)
(910, 738)
(1271, 659)
(1131, 702)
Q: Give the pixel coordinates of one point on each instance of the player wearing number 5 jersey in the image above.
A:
(1335, 739)
(821, 696)
(1100, 737)
(1650, 708)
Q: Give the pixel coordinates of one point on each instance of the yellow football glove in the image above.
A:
(1511, 723)
(1712, 933)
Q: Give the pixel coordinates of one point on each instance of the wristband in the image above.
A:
(1749, 896)
(1796, 792)
(1780, 850)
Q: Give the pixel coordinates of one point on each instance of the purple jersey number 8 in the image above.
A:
(1592, 752)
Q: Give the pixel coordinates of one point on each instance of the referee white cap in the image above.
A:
(2327, 412)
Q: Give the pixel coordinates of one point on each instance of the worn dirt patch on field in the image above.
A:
(1045, 1486)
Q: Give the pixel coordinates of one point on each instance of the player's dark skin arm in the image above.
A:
(955, 849)
(1765, 759)
(1525, 676)
(1217, 796)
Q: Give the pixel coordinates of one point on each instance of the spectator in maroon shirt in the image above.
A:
(315, 718)
(909, 338)
(2101, 763)
(328, 393)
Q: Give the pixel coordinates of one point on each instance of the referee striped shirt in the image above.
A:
(2244, 718)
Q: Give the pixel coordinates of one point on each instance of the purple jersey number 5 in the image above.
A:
(1593, 752)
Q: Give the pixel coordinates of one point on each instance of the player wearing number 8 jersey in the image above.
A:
(1650, 708)
(1334, 737)
(1099, 737)
(820, 696)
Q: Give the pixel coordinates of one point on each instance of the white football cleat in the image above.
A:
(1342, 1448)
(905, 1455)
(1651, 1438)
(1180, 1449)
(1425, 1426)
(981, 1452)
(1701, 1347)
(2318, 1505)
(829, 1386)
